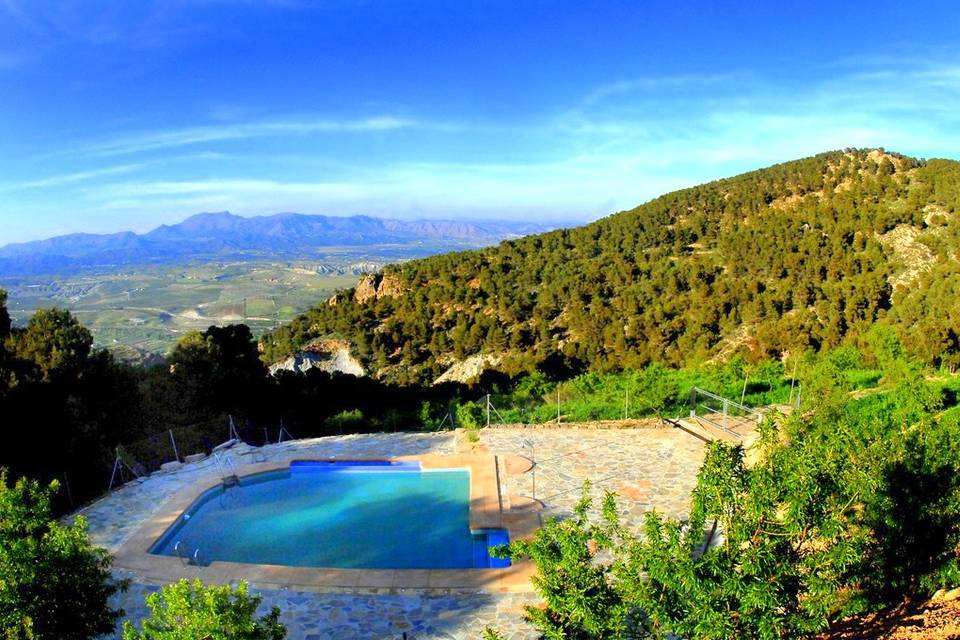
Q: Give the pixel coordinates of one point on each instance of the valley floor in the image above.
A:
(647, 468)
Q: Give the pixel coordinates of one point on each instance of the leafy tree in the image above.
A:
(530, 391)
(55, 342)
(189, 610)
(914, 517)
(22, 631)
(846, 509)
(5, 373)
(53, 583)
(214, 372)
(887, 352)
(431, 415)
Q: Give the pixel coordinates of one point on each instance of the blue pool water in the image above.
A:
(345, 515)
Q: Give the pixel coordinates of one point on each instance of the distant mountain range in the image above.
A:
(227, 235)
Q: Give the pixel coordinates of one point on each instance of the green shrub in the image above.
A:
(656, 390)
(431, 415)
(345, 421)
(582, 602)
(470, 416)
(189, 610)
(53, 583)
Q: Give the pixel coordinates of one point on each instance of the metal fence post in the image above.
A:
(533, 467)
(66, 484)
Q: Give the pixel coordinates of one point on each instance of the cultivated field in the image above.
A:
(143, 310)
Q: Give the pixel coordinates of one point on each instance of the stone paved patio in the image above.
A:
(352, 616)
(647, 468)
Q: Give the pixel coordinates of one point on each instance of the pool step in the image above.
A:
(495, 538)
(480, 558)
(481, 549)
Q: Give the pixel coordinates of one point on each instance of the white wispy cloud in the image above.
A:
(224, 187)
(578, 189)
(168, 139)
(738, 118)
(656, 84)
(67, 179)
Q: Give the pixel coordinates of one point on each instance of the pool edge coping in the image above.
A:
(485, 513)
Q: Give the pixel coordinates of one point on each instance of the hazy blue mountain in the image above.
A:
(225, 234)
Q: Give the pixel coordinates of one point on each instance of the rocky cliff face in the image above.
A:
(470, 369)
(375, 286)
(366, 289)
(332, 356)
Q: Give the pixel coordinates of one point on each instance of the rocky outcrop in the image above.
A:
(469, 369)
(390, 286)
(332, 356)
(914, 256)
(375, 286)
(366, 288)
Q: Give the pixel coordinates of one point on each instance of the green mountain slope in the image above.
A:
(800, 254)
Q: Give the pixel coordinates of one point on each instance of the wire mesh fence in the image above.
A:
(558, 407)
(604, 405)
(141, 456)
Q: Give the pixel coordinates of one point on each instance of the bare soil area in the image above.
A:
(934, 619)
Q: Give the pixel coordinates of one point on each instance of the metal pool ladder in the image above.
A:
(186, 559)
(228, 473)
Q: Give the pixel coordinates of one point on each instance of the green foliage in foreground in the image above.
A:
(189, 610)
(581, 601)
(53, 584)
(847, 509)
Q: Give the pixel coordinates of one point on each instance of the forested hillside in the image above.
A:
(798, 255)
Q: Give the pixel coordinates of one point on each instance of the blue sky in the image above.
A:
(125, 115)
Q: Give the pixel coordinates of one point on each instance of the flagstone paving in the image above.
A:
(652, 468)
(648, 468)
(356, 616)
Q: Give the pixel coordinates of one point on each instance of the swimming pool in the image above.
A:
(357, 515)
